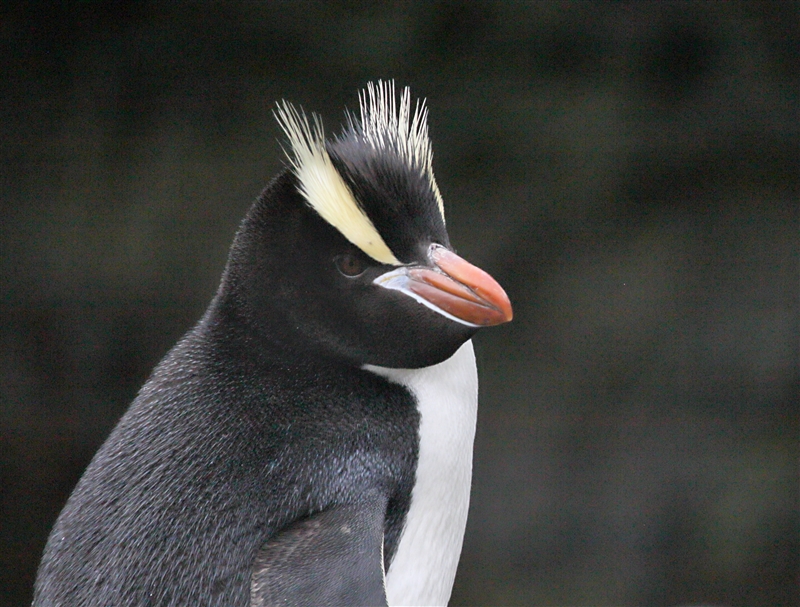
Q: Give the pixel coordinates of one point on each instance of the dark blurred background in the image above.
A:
(627, 170)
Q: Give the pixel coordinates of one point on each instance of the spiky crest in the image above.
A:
(382, 127)
(323, 187)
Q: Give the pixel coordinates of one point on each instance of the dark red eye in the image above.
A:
(349, 265)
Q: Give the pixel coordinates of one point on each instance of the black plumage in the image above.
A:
(242, 429)
(260, 429)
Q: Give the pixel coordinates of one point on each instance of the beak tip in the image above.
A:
(505, 312)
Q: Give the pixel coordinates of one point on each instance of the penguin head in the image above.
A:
(346, 253)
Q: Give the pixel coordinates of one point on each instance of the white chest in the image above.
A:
(425, 563)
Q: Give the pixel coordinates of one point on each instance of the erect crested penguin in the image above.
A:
(309, 441)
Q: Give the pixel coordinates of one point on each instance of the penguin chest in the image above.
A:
(424, 566)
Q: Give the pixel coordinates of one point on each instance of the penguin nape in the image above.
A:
(309, 441)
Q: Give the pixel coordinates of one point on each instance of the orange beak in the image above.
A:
(453, 287)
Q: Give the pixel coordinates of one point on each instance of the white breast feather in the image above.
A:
(424, 566)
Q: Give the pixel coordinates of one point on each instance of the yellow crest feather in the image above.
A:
(323, 187)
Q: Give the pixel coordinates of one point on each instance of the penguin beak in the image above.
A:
(453, 287)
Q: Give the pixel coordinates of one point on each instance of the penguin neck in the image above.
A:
(424, 566)
(274, 340)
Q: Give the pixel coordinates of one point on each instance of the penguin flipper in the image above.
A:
(330, 559)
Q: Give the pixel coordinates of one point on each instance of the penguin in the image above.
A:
(309, 440)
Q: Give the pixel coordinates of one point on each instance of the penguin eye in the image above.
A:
(349, 265)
